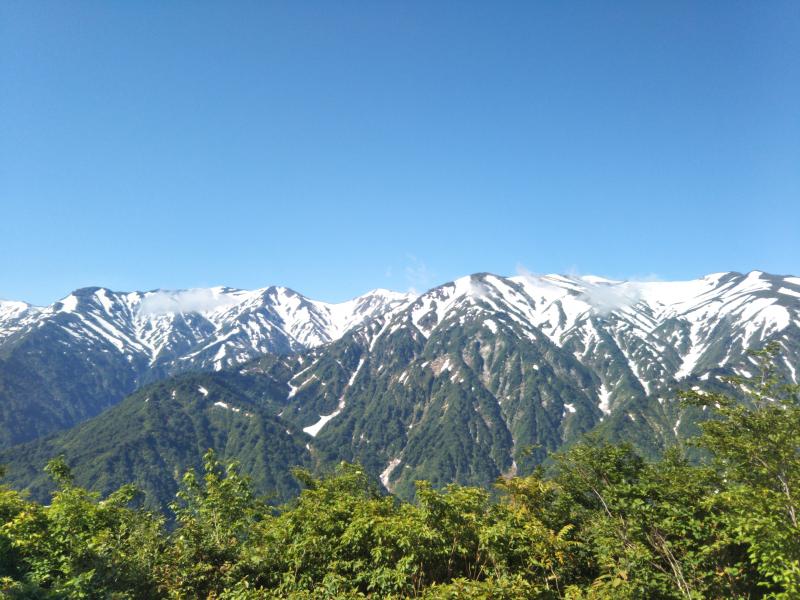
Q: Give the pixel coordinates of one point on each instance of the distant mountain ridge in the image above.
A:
(472, 379)
(458, 385)
(66, 362)
(227, 322)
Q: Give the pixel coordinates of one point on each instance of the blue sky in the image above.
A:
(336, 147)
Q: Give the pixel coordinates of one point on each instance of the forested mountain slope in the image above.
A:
(487, 375)
(155, 435)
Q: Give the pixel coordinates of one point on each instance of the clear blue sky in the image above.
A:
(336, 147)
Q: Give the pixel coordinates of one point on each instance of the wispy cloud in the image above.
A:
(532, 277)
(611, 295)
(608, 297)
(478, 289)
(183, 301)
(419, 277)
(603, 296)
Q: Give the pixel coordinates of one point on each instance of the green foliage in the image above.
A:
(215, 516)
(154, 436)
(80, 546)
(607, 525)
(756, 450)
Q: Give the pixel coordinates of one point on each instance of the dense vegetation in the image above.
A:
(605, 524)
(155, 435)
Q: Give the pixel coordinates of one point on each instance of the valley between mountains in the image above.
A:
(471, 380)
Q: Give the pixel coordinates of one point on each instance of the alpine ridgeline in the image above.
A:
(67, 362)
(471, 380)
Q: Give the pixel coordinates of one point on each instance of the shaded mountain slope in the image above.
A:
(155, 435)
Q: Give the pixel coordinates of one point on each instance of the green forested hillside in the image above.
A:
(607, 524)
(158, 433)
(47, 385)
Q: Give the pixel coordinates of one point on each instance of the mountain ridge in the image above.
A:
(487, 375)
(113, 342)
(556, 366)
(67, 362)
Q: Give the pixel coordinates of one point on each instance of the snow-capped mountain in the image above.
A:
(657, 332)
(211, 327)
(65, 362)
(623, 340)
(472, 379)
(457, 384)
(12, 316)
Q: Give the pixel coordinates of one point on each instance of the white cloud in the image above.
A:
(183, 301)
(478, 289)
(418, 276)
(608, 297)
(604, 295)
(534, 279)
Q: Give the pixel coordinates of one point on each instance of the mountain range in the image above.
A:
(473, 379)
(64, 363)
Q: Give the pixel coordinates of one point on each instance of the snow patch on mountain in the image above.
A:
(314, 429)
(387, 472)
(605, 399)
